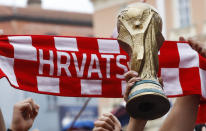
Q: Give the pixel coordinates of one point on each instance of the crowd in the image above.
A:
(182, 116)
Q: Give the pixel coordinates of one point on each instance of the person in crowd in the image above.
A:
(182, 116)
(24, 114)
(200, 47)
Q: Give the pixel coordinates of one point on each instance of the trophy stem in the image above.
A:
(147, 100)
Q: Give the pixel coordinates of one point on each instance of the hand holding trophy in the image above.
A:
(139, 27)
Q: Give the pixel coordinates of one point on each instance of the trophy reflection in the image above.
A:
(139, 26)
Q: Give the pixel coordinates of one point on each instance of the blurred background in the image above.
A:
(93, 18)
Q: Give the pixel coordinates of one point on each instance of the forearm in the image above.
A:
(2, 124)
(183, 114)
(136, 124)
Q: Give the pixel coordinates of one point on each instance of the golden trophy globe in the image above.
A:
(139, 27)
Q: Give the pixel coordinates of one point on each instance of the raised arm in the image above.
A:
(24, 114)
(135, 124)
(183, 114)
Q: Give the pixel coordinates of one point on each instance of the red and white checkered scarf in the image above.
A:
(64, 66)
(92, 67)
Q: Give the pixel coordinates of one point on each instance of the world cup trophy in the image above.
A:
(139, 27)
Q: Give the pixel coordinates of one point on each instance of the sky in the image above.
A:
(84, 6)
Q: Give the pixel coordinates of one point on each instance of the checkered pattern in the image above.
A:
(21, 58)
(92, 67)
(182, 70)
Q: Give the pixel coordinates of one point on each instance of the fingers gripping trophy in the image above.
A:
(139, 27)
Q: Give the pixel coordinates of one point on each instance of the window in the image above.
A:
(184, 13)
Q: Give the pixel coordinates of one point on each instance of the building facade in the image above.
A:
(35, 20)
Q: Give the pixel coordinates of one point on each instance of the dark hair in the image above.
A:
(199, 127)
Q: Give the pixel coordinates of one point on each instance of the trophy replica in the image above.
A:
(139, 27)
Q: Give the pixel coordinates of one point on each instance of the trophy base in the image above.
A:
(147, 101)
